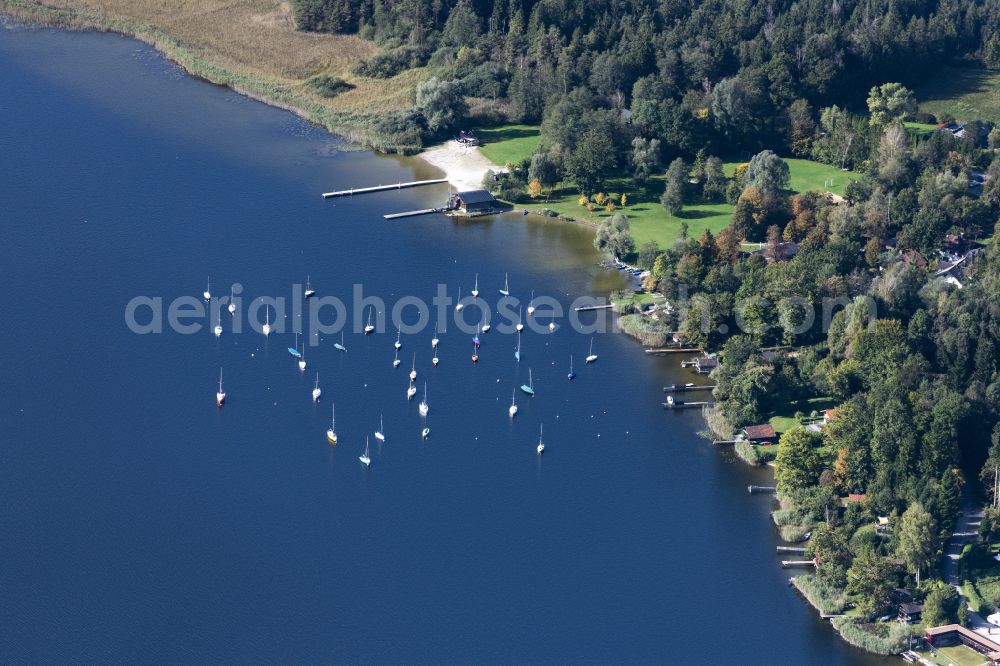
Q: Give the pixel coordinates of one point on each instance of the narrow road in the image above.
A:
(966, 531)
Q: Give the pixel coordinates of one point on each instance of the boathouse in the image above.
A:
(759, 433)
(473, 201)
(706, 364)
(952, 634)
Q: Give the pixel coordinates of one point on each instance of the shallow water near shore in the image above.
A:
(141, 523)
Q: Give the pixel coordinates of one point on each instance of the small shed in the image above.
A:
(706, 364)
(759, 433)
(473, 201)
(909, 612)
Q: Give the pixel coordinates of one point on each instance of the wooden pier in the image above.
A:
(785, 564)
(760, 489)
(677, 404)
(412, 213)
(382, 188)
(587, 308)
(721, 442)
(798, 550)
(680, 389)
(671, 350)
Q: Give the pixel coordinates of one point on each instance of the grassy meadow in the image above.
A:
(967, 93)
(649, 220)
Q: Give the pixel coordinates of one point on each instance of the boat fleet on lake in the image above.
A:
(298, 353)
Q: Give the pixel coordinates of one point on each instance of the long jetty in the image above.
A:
(587, 308)
(382, 188)
(760, 489)
(679, 389)
(686, 405)
(671, 350)
(412, 213)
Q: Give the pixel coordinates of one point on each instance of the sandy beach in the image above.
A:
(463, 166)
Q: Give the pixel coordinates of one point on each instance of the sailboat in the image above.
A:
(365, 460)
(302, 357)
(379, 434)
(517, 352)
(369, 327)
(475, 353)
(208, 289)
(395, 360)
(294, 351)
(266, 329)
(475, 290)
(506, 288)
(529, 388)
(423, 408)
(531, 307)
(459, 304)
(552, 324)
(435, 360)
(218, 328)
(572, 373)
(411, 391)
(309, 292)
(512, 410)
(485, 326)
(520, 324)
(541, 446)
(220, 396)
(317, 392)
(397, 344)
(475, 338)
(592, 356)
(435, 340)
(425, 433)
(232, 299)
(331, 433)
(413, 368)
(339, 346)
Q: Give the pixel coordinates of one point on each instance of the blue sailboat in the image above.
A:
(529, 387)
(294, 351)
(572, 373)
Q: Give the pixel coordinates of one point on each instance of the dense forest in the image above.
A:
(882, 304)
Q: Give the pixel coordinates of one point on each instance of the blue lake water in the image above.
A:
(140, 523)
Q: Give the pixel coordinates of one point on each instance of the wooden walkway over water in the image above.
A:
(412, 213)
(382, 188)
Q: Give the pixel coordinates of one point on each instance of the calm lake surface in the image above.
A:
(140, 523)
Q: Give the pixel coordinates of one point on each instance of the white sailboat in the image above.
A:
(302, 357)
(435, 340)
(397, 344)
(435, 360)
(423, 408)
(232, 299)
(512, 410)
(218, 328)
(552, 324)
(379, 434)
(331, 433)
(506, 287)
(317, 391)
(220, 395)
(591, 357)
(266, 329)
(365, 460)
(531, 307)
(208, 289)
(369, 327)
(395, 360)
(459, 304)
(425, 433)
(309, 292)
(485, 326)
(339, 346)
(520, 324)
(413, 368)
(541, 446)
(475, 290)
(411, 391)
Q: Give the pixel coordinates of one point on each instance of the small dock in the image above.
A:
(412, 213)
(382, 188)
(588, 308)
(723, 442)
(671, 350)
(760, 489)
(680, 389)
(798, 550)
(677, 404)
(785, 564)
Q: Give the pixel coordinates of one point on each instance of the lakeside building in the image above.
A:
(473, 202)
(953, 634)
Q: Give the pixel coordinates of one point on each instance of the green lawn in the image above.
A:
(919, 130)
(965, 92)
(648, 218)
(955, 655)
(509, 143)
(786, 420)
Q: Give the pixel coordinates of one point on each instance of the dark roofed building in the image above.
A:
(910, 612)
(706, 364)
(473, 201)
(914, 258)
(759, 433)
(785, 251)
